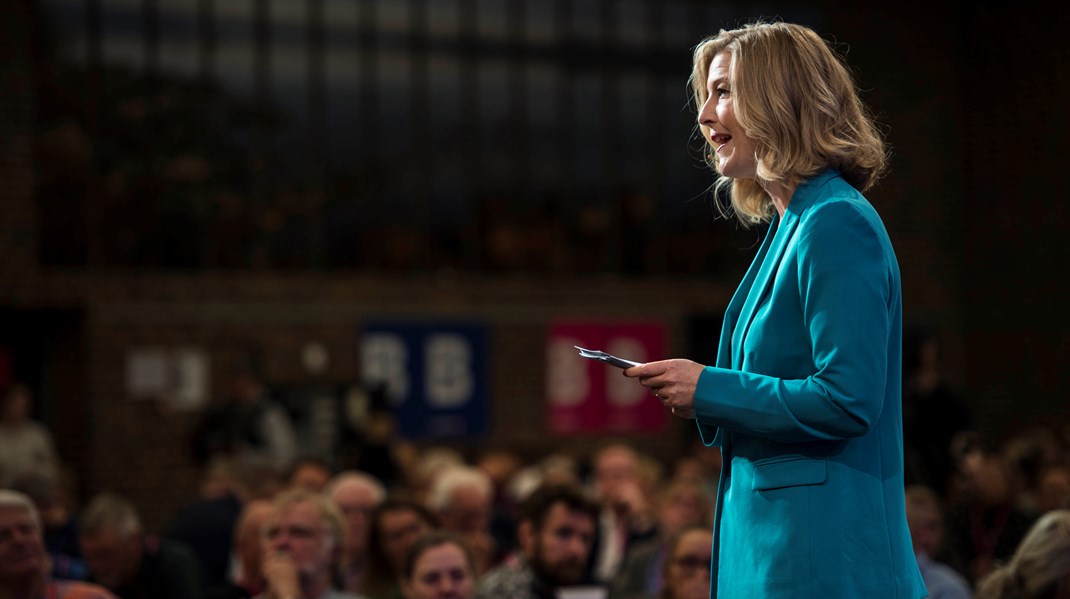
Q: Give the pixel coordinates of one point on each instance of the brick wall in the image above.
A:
(17, 230)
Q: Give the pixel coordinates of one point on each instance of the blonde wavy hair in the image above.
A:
(795, 97)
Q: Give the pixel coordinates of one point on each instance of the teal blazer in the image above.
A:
(805, 404)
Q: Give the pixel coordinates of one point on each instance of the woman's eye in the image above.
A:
(430, 579)
(720, 91)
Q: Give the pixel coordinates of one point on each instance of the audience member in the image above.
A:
(463, 498)
(556, 535)
(308, 472)
(23, 560)
(501, 465)
(627, 513)
(1040, 566)
(699, 463)
(426, 465)
(130, 563)
(686, 570)
(356, 494)
(933, 412)
(368, 438)
(25, 444)
(206, 526)
(52, 499)
(245, 577)
(303, 543)
(1053, 488)
(554, 469)
(1030, 453)
(984, 525)
(217, 476)
(248, 421)
(396, 525)
(926, 522)
(439, 566)
(685, 503)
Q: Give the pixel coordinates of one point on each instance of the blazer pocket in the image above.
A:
(779, 473)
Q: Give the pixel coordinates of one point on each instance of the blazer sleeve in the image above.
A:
(847, 283)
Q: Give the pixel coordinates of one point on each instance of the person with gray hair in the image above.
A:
(131, 563)
(303, 542)
(1040, 568)
(463, 498)
(23, 560)
(356, 494)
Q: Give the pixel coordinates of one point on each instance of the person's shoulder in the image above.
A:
(72, 589)
(834, 195)
(207, 511)
(334, 594)
(833, 204)
(945, 582)
(173, 554)
(38, 428)
(506, 574)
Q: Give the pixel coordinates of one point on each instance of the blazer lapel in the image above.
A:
(726, 349)
(763, 281)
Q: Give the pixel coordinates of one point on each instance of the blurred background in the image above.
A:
(399, 216)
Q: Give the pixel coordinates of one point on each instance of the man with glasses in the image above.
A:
(687, 567)
(304, 540)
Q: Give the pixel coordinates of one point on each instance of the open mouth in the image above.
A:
(720, 139)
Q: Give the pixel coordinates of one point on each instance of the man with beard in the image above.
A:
(556, 531)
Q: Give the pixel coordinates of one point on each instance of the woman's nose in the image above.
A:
(706, 114)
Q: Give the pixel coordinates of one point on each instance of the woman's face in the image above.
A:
(400, 529)
(687, 574)
(441, 572)
(735, 150)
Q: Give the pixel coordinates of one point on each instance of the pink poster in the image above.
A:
(587, 396)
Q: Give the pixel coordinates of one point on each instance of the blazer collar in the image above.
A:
(807, 191)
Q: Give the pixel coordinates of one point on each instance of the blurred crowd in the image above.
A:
(436, 521)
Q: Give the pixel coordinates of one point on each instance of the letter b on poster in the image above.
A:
(587, 396)
(435, 375)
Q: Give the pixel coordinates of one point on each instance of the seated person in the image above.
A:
(23, 561)
(131, 563)
(686, 570)
(439, 566)
(303, 542)
(557, 527)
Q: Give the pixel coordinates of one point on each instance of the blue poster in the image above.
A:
(435, 375)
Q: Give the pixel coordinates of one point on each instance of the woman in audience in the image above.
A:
(687, 569)
(439, 566)
(396, 526)
(1040, 567)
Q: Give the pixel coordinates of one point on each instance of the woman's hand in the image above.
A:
(671, 381)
